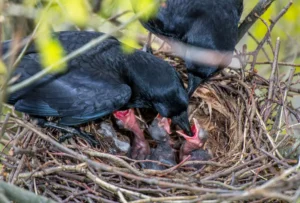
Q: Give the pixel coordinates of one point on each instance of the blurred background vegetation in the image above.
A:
(288, 29)
(104, 15)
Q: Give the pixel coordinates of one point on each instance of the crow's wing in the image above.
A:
(89, 89)
(77, 99)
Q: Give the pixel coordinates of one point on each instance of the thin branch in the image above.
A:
(16, 194)
(118, 160)
(260, 8)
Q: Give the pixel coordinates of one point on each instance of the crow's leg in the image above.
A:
(70, 131)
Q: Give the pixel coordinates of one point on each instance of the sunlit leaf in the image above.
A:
(77, 11)
(129, 44)
(50, 49)
(43, 30)
(52, 52)
(292, 14)
(130, 37)
(111, 7)
(30, 2)
(3, 69)
(148, 7)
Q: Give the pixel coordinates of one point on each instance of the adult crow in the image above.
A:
(209, 24)
(98, 82)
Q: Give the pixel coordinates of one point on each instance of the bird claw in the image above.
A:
(71, 132)
(65, 137)
(86, 136)
(89, 138)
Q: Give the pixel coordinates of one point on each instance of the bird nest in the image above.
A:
(254, 156)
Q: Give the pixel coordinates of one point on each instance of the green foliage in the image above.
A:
(50, 49)
(3, 73)
(56, 13)
(148, 7)
(51, 52)
(76, 11)
(287, 28)
(3, 69)
(113, 7)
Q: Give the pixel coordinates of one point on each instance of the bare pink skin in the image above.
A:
(192, 143)
(165, 123)
(140, 147)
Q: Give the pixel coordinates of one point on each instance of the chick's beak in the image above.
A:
(183, 122)
(164, 122)
(199, 135)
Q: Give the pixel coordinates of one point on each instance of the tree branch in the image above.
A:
(17, 194)
(252, 17)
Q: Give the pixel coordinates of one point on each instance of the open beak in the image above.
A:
(165, 123)
(183, 122)
(199, 135)
(197, 130)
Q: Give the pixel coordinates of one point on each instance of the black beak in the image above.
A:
(182, 121)
(194, 82)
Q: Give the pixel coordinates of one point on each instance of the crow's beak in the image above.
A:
(182, 121)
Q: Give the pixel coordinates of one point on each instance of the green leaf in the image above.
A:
(52, 52)
(3, 69)
(77, 11)
(50, 49)
(148, 7)
(30, 3)
(129, 43)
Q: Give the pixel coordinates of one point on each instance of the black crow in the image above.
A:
(98, 82)
(209, 24)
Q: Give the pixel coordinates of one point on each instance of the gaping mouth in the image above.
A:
(199, 135)
(164, 123)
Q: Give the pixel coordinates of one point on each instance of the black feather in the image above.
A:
(210, 24)
(98, 82)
